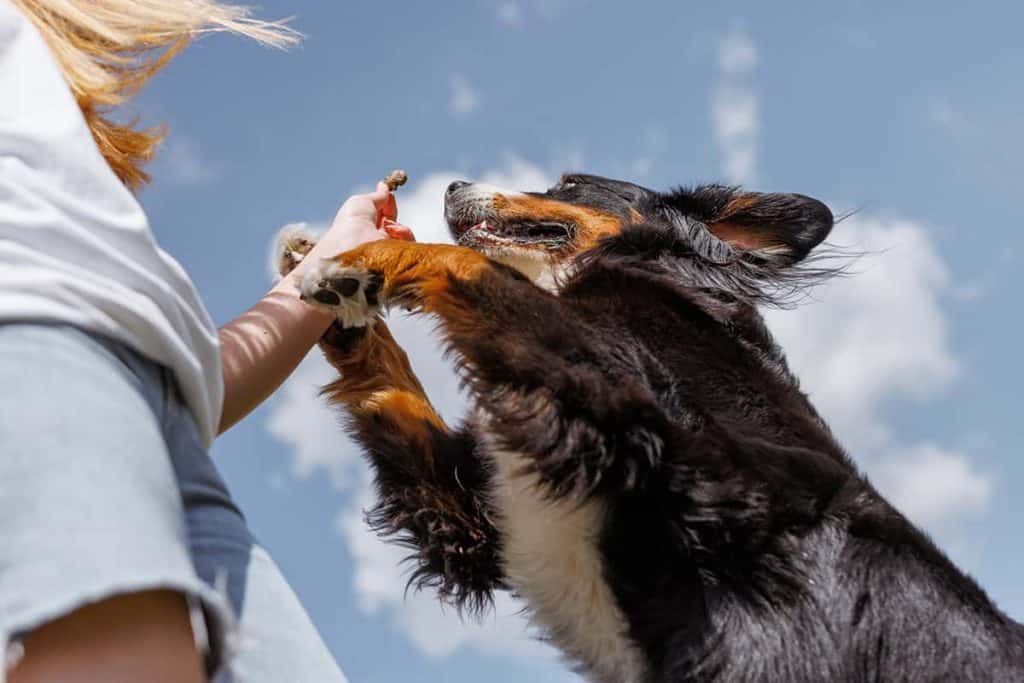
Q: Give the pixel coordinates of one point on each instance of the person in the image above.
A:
(122, 554)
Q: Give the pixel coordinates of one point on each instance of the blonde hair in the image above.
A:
(107, 50)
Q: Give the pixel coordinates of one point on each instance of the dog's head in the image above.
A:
(716, 225)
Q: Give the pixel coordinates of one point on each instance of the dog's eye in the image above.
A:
(566, 185)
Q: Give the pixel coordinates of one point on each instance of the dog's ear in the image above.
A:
(780, 227)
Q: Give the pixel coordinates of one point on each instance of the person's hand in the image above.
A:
(362, 218)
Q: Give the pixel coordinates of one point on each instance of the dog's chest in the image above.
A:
(552, 560)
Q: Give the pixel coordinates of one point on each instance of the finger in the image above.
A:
(390, 210)
(398, 231)
(384, 201)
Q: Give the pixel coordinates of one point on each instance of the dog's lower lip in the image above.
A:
(525, 230)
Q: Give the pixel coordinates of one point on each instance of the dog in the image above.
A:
(640, 465)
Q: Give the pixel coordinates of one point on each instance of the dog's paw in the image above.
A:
(351, 294)
(293, 242)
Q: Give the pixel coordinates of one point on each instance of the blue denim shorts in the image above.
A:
(105, 489)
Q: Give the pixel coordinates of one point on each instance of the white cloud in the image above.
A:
(514, 13)
(936, 486)
(879, 334)
(509, 13)
(735, 117)
(464, 99)
(182, 163)
(876, 338)
(737, 54)
(300, 420)
(380, 578)
(311, 431)
(942, 114)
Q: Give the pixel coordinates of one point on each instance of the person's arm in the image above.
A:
(261, 347)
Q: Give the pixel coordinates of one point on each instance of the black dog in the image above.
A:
(641, 466)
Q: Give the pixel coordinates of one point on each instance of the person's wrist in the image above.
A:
(286, 293)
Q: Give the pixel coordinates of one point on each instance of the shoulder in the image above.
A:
(29, 75)
(45, 141)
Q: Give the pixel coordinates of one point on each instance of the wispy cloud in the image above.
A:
(942, 114)
(181, 162)
(734, 108)
(515, 13)
(651, 149)
(509, 13)
(737, 54)
(463, 98)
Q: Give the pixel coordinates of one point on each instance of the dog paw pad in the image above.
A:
(351, 294)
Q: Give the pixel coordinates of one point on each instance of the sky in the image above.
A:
(908, 114)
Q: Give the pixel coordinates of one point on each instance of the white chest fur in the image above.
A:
(552, 560)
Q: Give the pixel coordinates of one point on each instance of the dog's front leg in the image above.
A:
(432, 488)
(551, 387)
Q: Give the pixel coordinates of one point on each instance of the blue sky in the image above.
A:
(909, 112)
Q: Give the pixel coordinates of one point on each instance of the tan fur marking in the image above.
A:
(591, 224)
(739, 205)
(376, 378)
(740, 236)
(406, 264)
(736, 233)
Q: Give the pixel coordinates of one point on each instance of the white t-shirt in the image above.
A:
(75, 246)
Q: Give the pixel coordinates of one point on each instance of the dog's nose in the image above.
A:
(456, 186)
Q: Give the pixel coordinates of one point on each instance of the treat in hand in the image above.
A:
(395, 179)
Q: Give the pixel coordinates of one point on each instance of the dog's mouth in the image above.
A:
(493, 230)
(484, 216)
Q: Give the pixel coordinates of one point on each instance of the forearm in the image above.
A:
(261, 347)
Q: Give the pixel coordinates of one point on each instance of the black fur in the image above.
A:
(741, 542)
(434, 506)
